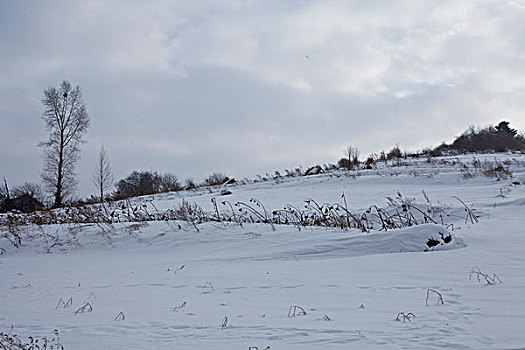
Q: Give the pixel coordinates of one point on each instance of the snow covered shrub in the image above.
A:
(370, 162)
(190, 212)
(216, 179)
(315, 170)
(401, 212)
(497, 171)
(395, 153)
(146, 182)
(344, 163)
(10, 341)
(190, 184)
(12, 222)
(467, 173)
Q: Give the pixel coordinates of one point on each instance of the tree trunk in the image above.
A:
(58, 196)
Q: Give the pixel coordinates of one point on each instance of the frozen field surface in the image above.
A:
(224, 286)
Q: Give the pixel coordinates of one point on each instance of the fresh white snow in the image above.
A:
(175, 286)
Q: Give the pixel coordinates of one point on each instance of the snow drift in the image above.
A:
(421, 238)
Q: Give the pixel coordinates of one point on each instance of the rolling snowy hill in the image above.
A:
(222, 285)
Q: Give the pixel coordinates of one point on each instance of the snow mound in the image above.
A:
(515, 202)
(421, 238)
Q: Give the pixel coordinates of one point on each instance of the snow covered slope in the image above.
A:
(223, 286)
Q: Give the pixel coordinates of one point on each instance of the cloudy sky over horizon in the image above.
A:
(248, 87)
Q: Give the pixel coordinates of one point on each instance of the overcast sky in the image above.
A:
(249, 87)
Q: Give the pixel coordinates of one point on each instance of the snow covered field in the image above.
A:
(224, 286)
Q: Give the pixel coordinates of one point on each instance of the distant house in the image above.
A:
(25, 203)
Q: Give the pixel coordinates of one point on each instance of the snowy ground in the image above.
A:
(176, 286)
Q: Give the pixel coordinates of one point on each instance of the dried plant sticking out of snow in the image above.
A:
(431, 292)
(10, 341)
(224, 322)
(296, 311)
(207, 285)
(64, 305)
(479, 275)
(405, 317)
(120, 317)
(470, 214)
(180, 308)
(87, 307)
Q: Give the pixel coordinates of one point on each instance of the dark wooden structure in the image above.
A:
(25, 203)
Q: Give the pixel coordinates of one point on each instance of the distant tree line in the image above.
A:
(499, 138)
(140, 183)
(146, 182)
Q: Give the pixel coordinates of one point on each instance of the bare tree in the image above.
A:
(102, 176)
(352, 153)
(350, 159)
(33, 189)
(67, 121)
(169, 182)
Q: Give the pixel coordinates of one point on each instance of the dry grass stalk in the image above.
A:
(120, 317)
(208, 285)
(433, 291)
(402, 316)
(87, 307)
(296, 311)
(490, 280)
(64, 305)
(224, 322)
(470, 214)
(180, 308)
